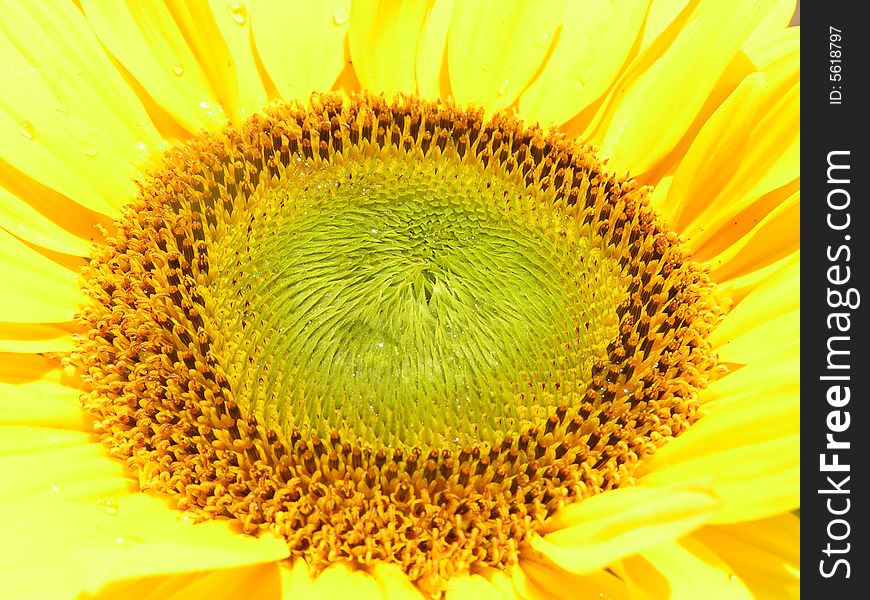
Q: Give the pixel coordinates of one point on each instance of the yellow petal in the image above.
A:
(383, 38)
(161, 545)
(741, 417)
(75, 507)
(662, 13)
(30, 213)
(747, 445)
(764, 554)
(524, 587)
(296, 581)
(471, 587)
(593, 45)
(744, 283)
(779, 374)
(33, 392)
(773, 237)
(753, 479)
(666, 86)
(748, 148)
(341, 581)
(766, 319)
(41, 405)
(433, 80)
(35, 289)
(393, 582)
(774, 23)
(554, 583)
(658, 197)
(35, 337)
(67, 118)
(768, 49)
(502, 580)
(589, 535)
(495, 48)
(219, 34)
(24, 368)
(145, 38)
(779, 335)
(156, 587)
(683, 571)
(301, 44)
(255, 581)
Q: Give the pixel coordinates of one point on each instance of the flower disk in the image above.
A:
(391, 332)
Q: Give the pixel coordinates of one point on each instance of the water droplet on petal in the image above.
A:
(178, 69)
(543, 41)
(341, 15)
(55, 438)
(27, 129)
(89, 151)
(484, 66)
(110, 507)
(238, 12)
(503, 88)
(54, 487)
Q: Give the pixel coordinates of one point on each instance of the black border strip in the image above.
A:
(835, 300)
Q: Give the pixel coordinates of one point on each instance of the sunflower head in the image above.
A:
(378, 302)
(391, 331)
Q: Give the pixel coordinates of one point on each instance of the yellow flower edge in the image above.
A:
(711, 511)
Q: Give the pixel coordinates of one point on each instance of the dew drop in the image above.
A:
(110, 507)
(54, 487)
(178, 69)
(27, 129)
(341, 15)
(503, 88)
(484, 66)
(55, 439)
(543, 41)
(89, 151)
(238, 12)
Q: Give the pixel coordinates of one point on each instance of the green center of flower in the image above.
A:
(394, 333)
(408, 302)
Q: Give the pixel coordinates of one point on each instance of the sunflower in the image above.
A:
(383, 299)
